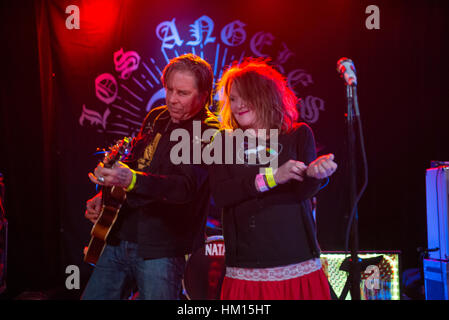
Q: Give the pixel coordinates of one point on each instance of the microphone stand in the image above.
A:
(352, 113)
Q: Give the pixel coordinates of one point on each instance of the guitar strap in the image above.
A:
(150, 149)
(148, 154)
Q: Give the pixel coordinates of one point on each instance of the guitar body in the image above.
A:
(112, 201)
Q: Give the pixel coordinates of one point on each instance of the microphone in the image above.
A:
(347, 71)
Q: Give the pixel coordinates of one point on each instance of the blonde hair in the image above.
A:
(264, 89)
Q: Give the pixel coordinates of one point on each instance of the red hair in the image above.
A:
(264, 89)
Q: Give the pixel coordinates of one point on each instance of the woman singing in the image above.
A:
(269, 232)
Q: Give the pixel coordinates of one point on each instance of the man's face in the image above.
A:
(182, 96)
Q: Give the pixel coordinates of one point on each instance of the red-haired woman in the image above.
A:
(269, 232)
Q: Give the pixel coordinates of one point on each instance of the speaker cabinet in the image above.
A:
(437, 182)
(436, 279)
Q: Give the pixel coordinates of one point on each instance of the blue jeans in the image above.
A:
(118, 266)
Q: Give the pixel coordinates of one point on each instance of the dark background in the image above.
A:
(49, 72)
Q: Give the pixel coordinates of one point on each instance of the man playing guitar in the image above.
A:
(165, 206)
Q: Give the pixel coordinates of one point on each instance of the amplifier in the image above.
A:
(436, 279)
(437, 187)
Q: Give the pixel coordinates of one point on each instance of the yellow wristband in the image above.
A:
(270, 177)
(133, 182)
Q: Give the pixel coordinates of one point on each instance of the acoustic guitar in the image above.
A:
(112, 199)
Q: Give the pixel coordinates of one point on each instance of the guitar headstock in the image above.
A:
(118, 152)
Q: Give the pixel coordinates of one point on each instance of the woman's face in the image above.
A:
(242, 111)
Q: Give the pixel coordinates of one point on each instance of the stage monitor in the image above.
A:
(379, 274)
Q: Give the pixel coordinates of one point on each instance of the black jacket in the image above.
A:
(166, 211)
(272, 228)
